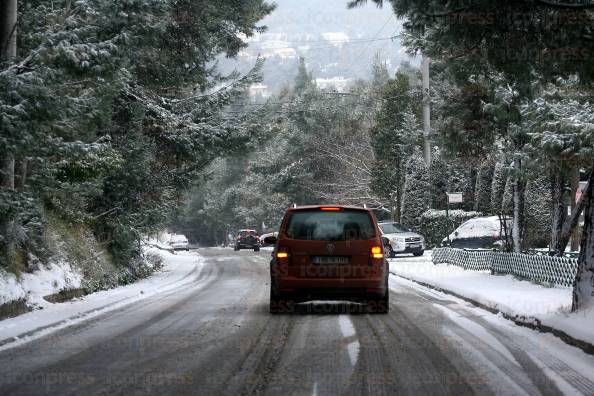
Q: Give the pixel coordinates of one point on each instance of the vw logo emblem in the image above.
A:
(330, 248)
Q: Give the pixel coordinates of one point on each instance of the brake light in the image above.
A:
(331, 209)
(376, 252)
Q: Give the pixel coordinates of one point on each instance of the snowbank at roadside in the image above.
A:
(517, 298)
(42, 282)
(177, 270)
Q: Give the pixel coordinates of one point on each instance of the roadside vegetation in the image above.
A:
(108, 112)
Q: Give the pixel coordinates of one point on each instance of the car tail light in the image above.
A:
(330, 209)
(377, 253)
(282, 255)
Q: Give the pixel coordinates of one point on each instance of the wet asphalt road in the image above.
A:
(215, 336)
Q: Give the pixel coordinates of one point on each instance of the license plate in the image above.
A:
(414, 245)
(329, 260)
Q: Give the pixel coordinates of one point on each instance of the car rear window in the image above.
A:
(321, 225)
(246, 233)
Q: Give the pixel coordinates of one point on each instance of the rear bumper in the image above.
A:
(247, 245)
(330, 289)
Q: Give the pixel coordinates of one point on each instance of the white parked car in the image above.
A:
(478, 233)
(264, 236)
(179, 242)
(398, 239)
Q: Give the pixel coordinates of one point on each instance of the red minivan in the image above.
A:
(328, 253)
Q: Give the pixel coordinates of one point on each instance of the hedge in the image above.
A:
(435, 226)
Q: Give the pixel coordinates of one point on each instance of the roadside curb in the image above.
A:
(530, 322)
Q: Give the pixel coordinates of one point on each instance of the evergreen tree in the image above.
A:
(304, 80)
(498, 187)
(394, 136)
(484, 184)
(538, 212)
(417, 192)
(439, 181)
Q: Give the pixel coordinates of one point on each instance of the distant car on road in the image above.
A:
(328, 253)
(179, 242)
(478, 233)
(247, 239)
(398, 239)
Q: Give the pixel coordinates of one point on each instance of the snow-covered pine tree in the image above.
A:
(439, 180)
(484, 181)
(417, 192)
(498, 187)
(304, 79)
(537, 228)
(393, 140)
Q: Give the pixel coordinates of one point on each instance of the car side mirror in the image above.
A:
(456, 233)
(271, 240)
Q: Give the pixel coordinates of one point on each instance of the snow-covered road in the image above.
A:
(210, 333)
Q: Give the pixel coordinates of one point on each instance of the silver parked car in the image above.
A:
(179, 242)
(398, 239)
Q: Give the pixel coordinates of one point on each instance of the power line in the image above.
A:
(347, 43)
(325, 41)
(364, 51)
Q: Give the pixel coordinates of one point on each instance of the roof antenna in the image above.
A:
(294, 205)
(365, 205)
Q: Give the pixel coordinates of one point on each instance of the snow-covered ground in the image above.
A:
(33, 286)
(179, 268)
(550, 305)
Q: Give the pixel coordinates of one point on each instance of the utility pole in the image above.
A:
(426, 110)
(8, 47)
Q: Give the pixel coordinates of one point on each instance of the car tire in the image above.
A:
(390, 252)
(419, 254)
(381, 304)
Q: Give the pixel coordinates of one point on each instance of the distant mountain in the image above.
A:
(338, 44)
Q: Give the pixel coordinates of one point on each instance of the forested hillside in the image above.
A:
(108, 114)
